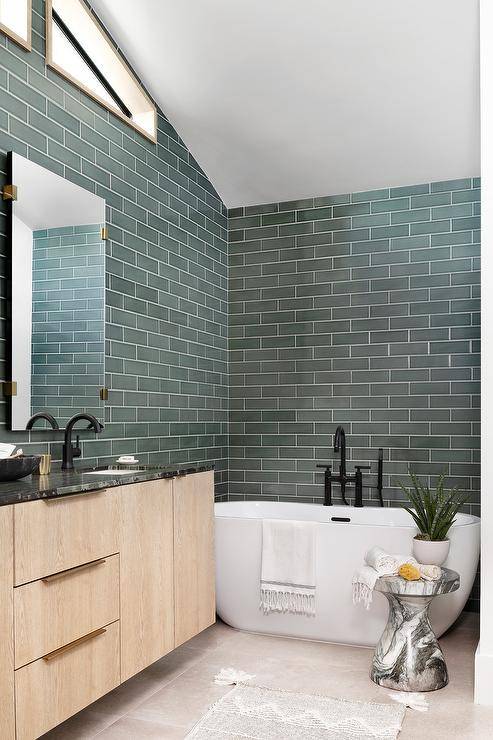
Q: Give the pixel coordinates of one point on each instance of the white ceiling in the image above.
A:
(282, 99)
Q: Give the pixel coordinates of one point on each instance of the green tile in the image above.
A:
(27, 94)
(370, 195)
(457, 237)
(332, 224)
(352, 235)
(432, 227)
(329, 200)
(396, 204)
(295, 205)
(427, 201)
(389, 232)
(449, 185)
(461, 224)
(410, 242)
(56, 113)
(404, 217)
(407, 190)
(356, 209)
(263, 208)
(466, 196)
(285, 217)
(454, 211)
(13, 105)
(380, 219)
(28, 135)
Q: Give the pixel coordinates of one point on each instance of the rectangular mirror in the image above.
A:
(57, 296)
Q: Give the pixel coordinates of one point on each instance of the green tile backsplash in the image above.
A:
(361, 309)
(166, 266)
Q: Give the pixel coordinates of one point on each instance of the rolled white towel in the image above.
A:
(378, 563)
(386, 564)
(430, 572)
(380, 560)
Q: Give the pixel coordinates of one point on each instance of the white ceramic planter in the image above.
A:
(430, 552)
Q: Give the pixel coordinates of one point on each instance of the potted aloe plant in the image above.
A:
(434, 513)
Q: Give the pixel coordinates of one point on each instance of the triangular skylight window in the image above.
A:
(79, 49)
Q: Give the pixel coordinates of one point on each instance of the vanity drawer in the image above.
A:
(63, 607)
(51, 535)
(62, 683)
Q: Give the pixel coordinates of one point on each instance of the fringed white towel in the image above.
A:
(415, 701)
(288, 567)
(377, 563)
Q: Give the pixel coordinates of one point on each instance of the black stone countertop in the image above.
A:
(65, 482)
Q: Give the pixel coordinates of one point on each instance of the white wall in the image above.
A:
(484, 653)
(22, 291)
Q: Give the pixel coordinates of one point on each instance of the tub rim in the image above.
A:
(466, 520)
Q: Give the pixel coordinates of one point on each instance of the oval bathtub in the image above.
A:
(340, 550)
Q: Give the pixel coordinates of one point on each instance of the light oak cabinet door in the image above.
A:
(62, 608)
(146, 574)
(54, 688)
(55, 534)
(195, 602)
(7, 721)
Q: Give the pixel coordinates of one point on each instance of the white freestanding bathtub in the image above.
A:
(340, 550)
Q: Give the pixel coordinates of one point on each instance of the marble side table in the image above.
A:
(408, 656)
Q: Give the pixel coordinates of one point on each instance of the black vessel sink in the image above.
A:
(13, 468)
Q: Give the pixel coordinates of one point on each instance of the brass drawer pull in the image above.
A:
(73, 571)
(66, 496)
(66, 648)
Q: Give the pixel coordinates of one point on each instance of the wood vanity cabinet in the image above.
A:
(104, 584)
(195, 602)
(146, 582)
(53, 535)
(7, 707)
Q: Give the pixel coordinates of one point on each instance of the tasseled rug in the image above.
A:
(266, 714)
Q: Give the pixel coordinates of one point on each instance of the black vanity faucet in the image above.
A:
(42, 415)
(343, 478)
(69, 451)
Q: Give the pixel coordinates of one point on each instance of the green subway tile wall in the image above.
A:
(68, 321)
(363, 310)
(166, 266)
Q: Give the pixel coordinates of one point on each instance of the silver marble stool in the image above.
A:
(408, 656)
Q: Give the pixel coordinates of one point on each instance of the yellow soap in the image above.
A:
(409, 572)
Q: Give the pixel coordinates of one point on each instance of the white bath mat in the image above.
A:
(266, 714)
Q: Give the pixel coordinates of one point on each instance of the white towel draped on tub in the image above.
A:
(288, 566)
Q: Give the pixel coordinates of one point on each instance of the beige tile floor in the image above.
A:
(167, 699)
